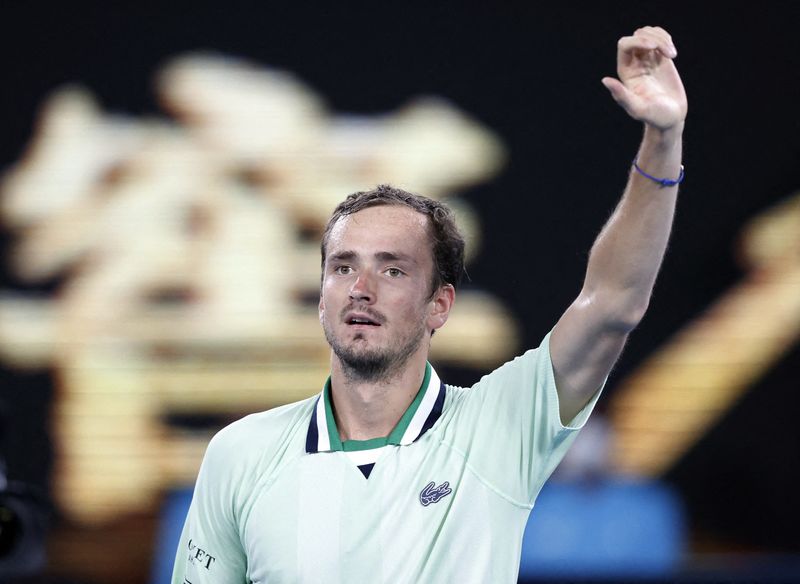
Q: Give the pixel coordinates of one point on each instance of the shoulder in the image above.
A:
(523, 385)
(260, 436)
(246, 455)
(532, 365)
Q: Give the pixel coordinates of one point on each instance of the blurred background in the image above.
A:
(167, 173)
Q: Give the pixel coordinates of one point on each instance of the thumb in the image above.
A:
(618, 91)
(621, 94)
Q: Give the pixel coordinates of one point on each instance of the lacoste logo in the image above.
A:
(432, 494)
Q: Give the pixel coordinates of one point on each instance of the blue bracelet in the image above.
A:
(664, 182)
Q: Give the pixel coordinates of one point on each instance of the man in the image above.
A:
(389, 475)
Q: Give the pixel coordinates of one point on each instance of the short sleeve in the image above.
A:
(509, 427)
(210, 549)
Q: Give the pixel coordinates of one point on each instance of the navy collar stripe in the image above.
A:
(312, 438)
(436, 412)
(423, 415)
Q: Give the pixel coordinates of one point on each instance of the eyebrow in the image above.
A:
(343, 256)
(389, 256)
(383, 256)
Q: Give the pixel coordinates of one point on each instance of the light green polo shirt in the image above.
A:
(280, 498)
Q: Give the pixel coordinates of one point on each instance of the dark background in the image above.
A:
(530, 71)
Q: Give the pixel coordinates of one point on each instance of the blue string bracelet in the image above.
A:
(664, 182)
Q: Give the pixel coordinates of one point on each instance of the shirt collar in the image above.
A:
(323, 435)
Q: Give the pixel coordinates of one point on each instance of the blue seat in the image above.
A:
(173, 514)
(604, 530)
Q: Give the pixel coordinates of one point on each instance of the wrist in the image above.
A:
(663, 182)
(664, 138)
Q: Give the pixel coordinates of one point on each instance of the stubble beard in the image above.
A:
(373, 365)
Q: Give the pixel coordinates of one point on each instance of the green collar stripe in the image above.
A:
(355, 445)
(394, 437)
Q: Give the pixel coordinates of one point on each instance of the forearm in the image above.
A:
(626, 256)
(628, 253)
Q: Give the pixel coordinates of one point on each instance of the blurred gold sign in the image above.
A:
(188, 260)
(683, 389)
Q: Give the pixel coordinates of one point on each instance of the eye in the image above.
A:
(343, 270)
(394, 272)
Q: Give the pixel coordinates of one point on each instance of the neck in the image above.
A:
(366, 409)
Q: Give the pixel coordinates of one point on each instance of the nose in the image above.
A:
(363, 289)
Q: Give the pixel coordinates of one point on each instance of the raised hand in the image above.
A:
(649, 87)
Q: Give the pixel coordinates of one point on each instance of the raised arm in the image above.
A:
(627, 255)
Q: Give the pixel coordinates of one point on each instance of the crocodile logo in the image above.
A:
(433, 494)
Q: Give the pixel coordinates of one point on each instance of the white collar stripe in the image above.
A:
(423, 411)
(318, 437)
(362, 457)
(323, 438)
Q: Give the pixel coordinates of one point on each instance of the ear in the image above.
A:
(321, 306)
(440, 306)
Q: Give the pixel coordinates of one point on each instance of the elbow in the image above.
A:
(620, 312)
(628, 316)
(629, 321)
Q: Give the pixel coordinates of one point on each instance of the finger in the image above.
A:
(658, 31)
(662, 39)
(640, 42)
(645, 42)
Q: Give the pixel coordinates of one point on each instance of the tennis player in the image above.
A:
(389, 474)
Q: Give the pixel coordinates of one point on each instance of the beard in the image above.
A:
(361, 363)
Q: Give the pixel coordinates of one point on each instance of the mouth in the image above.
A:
(361, 320)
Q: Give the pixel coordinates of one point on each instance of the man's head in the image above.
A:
(390, 264)
(447, 243)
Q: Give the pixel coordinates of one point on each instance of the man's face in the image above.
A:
(375, 304)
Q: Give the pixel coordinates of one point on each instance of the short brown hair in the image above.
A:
(447, 241)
